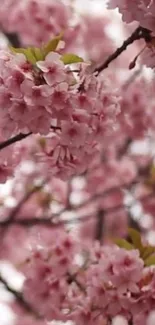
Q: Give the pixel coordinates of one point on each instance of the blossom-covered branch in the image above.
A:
(77, 149)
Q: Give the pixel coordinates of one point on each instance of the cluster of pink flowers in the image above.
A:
(112, 281)
(143, 12)
(81, 174)
(52, 265)
(35, 21)
(46, 99)
(26, 93)
(96, 26)
(136, 10)
(137, 107)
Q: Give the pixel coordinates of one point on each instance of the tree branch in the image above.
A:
(20, 137)
(123, 150)
(99, 231)
(11, 219)
(20, 299)
(72, 278)
(14, 139)
(29, 222)
(139, 33)
(13, 39)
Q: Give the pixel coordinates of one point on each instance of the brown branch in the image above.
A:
(55, 128)
(72, 278)
(12, 38)
(20, 137)
(11, 218)
(132, 223)
(19, 297)
(25, 198)
(69, 192)
(53, 218)
(99, 229)
(139, 33)
(13, 140)
(29, 222)
(123, 150)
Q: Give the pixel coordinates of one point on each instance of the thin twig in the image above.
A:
(13, 140)
(25, 198)
(69, 192)
(29, 222)
(130, 322)
(11, 218)
(53, 218)
(99, 229)
(124, 148)
(139, 33)
(72, 278)
(19, 297)
(20, 137)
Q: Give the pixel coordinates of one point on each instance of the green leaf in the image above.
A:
(52, 45)
(34, 54)
(70, 58)
(30, 55)
(38, 54)
(27, 52)
(136, 238)
(147, 252)
(122, 243)
(150, 260)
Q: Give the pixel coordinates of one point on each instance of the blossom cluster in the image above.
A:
(112, 281)
(46, 99)
(35, 21)
(81, 174)
(140, 11)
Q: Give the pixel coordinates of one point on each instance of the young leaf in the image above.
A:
(150, 260)
(52, 45)
(147, 252)
(34, 54)
(27, 52)
(122, 243)
(30, 55)
(70, 58)
(38, 54)
(136, 238)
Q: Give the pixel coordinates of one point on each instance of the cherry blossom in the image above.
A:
(77, 169)
(51, 17)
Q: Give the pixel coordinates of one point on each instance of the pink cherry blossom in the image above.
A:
(77, 163)
(74, 134)
(46, 18)
(52, 68)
